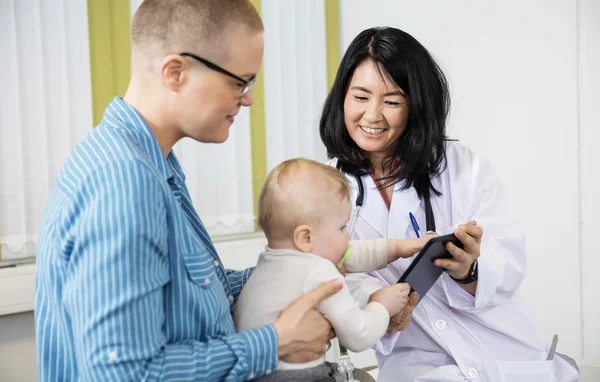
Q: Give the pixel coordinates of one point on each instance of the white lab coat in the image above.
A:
(454, 336)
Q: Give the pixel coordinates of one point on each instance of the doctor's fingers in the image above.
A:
(472, 229)
(470, 243)
(450, 265)
(401, 320)
(461, 259)
(410, 307)
(466, 255)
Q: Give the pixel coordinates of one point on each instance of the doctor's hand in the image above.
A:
(458, 267)
(400, 321)
(303, 334)
(404, 248)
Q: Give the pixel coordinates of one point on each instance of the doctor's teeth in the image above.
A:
(372, 131)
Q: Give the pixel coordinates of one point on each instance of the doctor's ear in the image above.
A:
(303, 238)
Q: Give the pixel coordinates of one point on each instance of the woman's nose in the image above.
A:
(373, 113)
(247, 99)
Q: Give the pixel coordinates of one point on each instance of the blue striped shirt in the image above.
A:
(128, 283)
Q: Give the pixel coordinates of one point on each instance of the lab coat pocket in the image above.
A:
(526, 371)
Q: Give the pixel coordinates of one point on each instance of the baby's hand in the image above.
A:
(392, 297)
(403, 248)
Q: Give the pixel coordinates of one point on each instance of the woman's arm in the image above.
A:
(502, 260)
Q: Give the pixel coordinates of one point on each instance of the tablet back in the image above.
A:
(422, 272)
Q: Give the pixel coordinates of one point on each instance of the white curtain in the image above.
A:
(45, 109)
(295, 78)
(219, 179)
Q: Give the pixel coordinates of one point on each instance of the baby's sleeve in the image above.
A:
(367, 255)
(356, 329)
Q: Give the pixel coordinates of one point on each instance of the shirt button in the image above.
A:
(473, 373)
(112, 356)
(440, 324)
(207, 280)
(230, 298)
(216, 263)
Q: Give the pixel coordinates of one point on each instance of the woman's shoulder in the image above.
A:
(464, 163)
(458, 151)
(462, 157)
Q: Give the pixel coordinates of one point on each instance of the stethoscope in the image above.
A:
(345, 365)
(429, 218)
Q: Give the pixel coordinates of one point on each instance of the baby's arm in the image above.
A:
(367, 255)
(356, 329)
(370, 255)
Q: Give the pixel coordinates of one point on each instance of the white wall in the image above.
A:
(17, 348)
(589, 82)
(513, 68)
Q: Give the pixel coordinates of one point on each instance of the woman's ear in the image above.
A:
(173, 71)
(303, 238)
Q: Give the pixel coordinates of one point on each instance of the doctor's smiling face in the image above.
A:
(375, 109)
(387, 109)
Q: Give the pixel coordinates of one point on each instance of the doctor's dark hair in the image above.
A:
(420, 150)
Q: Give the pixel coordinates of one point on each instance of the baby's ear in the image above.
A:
(303, 238)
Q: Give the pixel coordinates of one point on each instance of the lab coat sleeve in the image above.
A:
(367, 255)
(502, 262)
(357, 329)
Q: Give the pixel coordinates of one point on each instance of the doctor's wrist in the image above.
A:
(470, 276)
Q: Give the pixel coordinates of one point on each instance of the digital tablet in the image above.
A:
(422, 272)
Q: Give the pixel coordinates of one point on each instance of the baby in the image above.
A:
(303, 209)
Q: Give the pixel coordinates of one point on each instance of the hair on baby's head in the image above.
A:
(294, 193)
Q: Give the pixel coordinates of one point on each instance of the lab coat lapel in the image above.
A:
(403, 202)
(374, 212)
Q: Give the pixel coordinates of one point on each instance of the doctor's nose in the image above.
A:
(373, 113)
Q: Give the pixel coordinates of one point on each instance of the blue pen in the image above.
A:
(414, 223)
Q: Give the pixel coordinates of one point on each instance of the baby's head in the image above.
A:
(305, 205)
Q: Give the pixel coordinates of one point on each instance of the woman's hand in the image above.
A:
(400, 321)
(302, 333)
(458, 267)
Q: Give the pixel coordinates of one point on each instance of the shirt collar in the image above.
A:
(120, 114)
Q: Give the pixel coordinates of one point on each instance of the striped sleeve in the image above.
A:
(114, 296)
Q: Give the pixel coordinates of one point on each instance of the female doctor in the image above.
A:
(384, 126)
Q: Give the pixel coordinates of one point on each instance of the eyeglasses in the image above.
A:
(247, 84)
